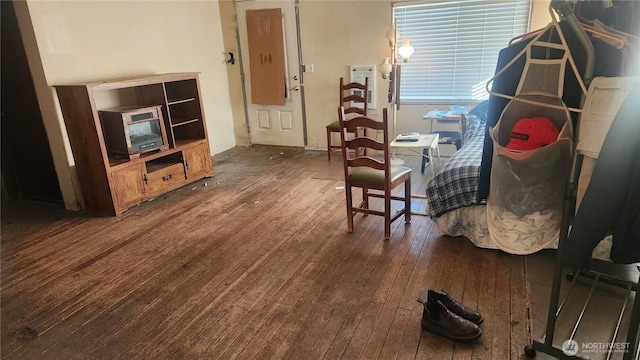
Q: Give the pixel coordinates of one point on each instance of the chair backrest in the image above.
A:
(354, 102)
(362, 141)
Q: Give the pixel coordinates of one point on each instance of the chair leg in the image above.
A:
(407, 200)
(365, 198)
(347, 189)
(387, 215)
(329, 144)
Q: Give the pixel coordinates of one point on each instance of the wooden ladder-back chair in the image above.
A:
(349, 100)
(372, 173)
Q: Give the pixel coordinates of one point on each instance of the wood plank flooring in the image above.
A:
(253, 263)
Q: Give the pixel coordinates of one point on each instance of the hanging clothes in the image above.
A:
(621, 14)
(612, 199)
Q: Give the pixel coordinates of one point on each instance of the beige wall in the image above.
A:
(333, 41)
(79, 41)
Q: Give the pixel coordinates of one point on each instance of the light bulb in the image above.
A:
(406, 50)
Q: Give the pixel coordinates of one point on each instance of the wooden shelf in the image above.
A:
(184, 122)
(174, 102)
(188, 142)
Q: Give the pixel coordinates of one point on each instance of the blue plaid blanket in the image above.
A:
(456, 184)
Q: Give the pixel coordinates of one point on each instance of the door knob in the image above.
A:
(296, 88)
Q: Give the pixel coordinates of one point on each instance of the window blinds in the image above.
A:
(456, 45)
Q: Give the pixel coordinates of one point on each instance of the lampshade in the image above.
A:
(391, 36)
(406, 50)
(385, 68)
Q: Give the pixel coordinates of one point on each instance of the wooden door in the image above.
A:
(268, 41)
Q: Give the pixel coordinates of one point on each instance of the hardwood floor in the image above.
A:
(254, 262)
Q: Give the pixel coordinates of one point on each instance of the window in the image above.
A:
(456, 45)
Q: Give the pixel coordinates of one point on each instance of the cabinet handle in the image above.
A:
(186, 164)
(144, 178)
(167, 178)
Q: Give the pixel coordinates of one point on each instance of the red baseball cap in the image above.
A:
(532, 133)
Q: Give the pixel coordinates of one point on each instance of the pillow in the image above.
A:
(480, 110)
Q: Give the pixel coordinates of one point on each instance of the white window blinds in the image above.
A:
(456, 45)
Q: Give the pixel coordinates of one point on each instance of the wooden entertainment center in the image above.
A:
(111, 184)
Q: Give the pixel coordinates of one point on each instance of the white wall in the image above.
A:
(78, 41)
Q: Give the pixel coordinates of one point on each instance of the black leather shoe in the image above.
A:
(454, 306)
(438, 319)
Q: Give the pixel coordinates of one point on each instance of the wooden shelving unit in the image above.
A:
(113, 184)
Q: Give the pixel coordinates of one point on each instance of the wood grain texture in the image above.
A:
(253, 263)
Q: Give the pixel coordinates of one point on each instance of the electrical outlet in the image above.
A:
(308, 68)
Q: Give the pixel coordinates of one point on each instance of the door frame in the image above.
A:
(21, 180)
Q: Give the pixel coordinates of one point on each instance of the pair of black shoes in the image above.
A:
(445, 316)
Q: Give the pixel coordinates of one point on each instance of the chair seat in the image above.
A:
(376, 177)
(334, 126)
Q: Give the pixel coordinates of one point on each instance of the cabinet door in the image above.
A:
(128, 186)
(198, 161)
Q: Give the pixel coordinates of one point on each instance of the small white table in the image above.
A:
(442, 115)
(426, 141)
